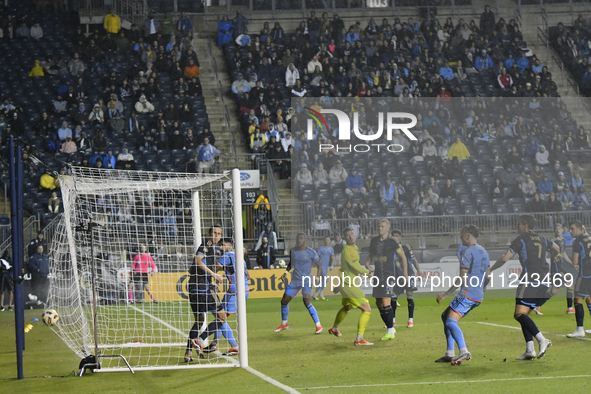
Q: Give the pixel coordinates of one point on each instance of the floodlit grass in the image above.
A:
(324, 363)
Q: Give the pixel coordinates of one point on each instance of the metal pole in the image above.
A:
(19, 329)
(93, 279)
(20, 234)
(239, 259)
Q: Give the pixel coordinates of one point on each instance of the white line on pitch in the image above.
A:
(249, 369)
(442, 382)
(519, 328)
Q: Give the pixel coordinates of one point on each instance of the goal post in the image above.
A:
(120, 260)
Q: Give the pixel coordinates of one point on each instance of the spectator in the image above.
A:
(528, 187)
(459, 150)
(109, 160)
(536, 205)
(497, 189)
(60, 106)
(504, 80)
(225, 30)
(169, 224)
(183, 25)
(6, 279)
(53, 145)
(205, 157)
(576, 181)
(583, 199)
(429, 148)
(487, 22)
(265, 254)
(69, 146)
(454, 170)
(112, 22)
(143, 106)
(36, 31)
(509, 179)
(191, 70)
(125, 159)
(545, 187)
(23, 31)
(447, 192)
(370, 184)
(354, 183)
(337, 174)
(240, 86)
(64, 132)
(483, 61)
(39, 269)
(567, 197)
(100, 142)
(560, 183)
(304, 177)
(542, 156)
(243, 39)
(320, 176)
(291, 75)
(152, 26)
(97, 115)
(37, 70)
(76, 66)
(420, 203)
(53, 203)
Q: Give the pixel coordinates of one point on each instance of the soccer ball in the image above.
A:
(50, 317)
(282, 264)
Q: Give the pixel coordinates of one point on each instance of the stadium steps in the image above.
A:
(290, 214)
(215, 110)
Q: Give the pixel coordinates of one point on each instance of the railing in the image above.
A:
(134, 11)
(30, 228)
(220, 90)
(273, 193)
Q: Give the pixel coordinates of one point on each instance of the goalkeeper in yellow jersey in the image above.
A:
(353, 296)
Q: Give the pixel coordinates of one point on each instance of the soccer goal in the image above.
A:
(120, 265)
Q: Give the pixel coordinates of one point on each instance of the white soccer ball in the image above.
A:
(50, 317)
(282, 264)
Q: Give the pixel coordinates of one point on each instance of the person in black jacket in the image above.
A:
(40, 240)
(39, 269)
(265, 255)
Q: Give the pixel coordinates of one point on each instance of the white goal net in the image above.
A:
(136, 234)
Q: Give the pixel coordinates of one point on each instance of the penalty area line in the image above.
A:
(442, 382)
(519, 328)
(249, 369)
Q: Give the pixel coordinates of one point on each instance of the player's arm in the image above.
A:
(575, 261)
(445, 294)
(566, 258)
(402, 255)
(367, 262)
(503, 259)
(282, 278)
(415, 262)
(555, 251)
(201, 265)
(331, 262)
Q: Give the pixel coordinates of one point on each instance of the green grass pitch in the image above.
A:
(325, 364)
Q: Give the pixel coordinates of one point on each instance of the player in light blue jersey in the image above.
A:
(301, 259)
(326, 254)
(228, 263)
(474, 271)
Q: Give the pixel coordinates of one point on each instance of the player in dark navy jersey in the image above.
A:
(561, 268)
(582, 262)
(412, 270)
(382, 252)
(533, 290)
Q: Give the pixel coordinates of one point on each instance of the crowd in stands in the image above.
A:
(125, 99)
(573, 43)
(438, 71)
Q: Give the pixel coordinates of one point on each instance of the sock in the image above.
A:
(410, 319)
(314, 315)
(228, 334)
(448, 337)
(341, 315)
(320, 288)
(151, 296)
(211, 328)
(464, 350)
(394, 306)
(362, 324)
(529, 347)
(450, 353)
(540, 337)
(411, 309)
(384, 315)
(456, 332)
(579, 314)
(189, 348)
(528, 326)
(570, 293)
(130, 294)
(359, 337)
(284, 313)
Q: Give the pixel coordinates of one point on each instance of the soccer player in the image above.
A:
(301, 259)
(582, 262)
(353, 296)
(558, 269)
(382, 251)
(326, 253)
(474, 271)
(228, 262)
(413, 264)
(532, 292)
(202, 293)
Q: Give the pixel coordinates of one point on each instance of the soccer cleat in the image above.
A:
(587, 331)
(388, 337)
(231, 352)
(570, 311)
(538, 312)
(336, 333)
(363, 342)
(197, 347)
(211, 348)
(445, 359)
(2, 309)
(319, 330)
(544, 345)
(462, 357)
(410, 324)
(577, 334)
(281, 328)
(527, 356)
(10, 308)
(155, 301)
(316, 298)
(323, 298)
(188, 358)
